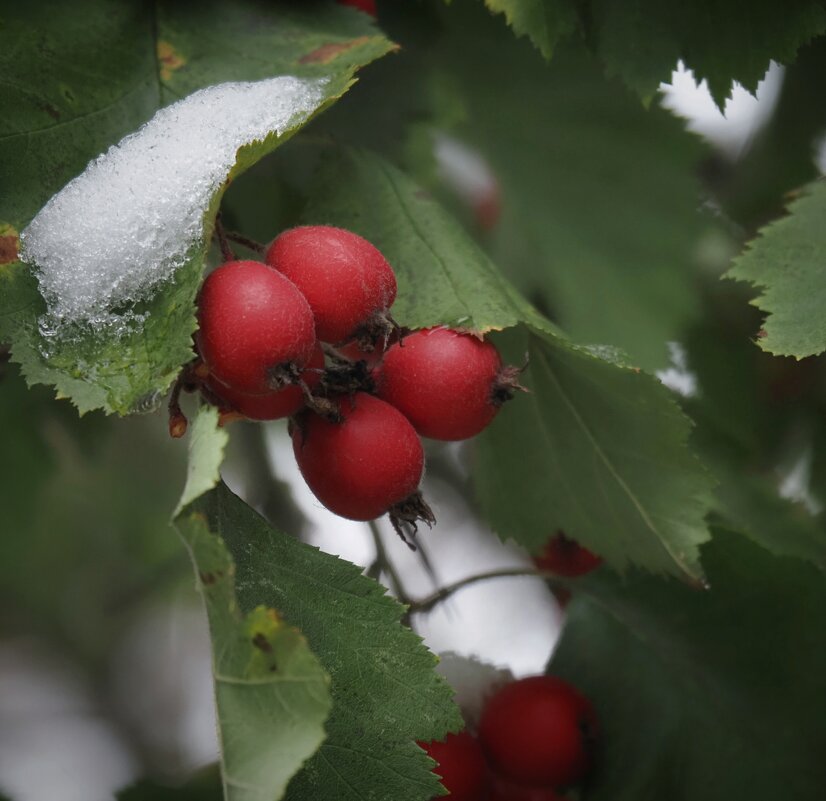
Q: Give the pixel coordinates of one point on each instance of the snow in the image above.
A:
(136, 214)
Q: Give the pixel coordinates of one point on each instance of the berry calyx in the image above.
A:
(346, 280)
(450, 385)
(271, 405)
(256, 330)
(366, 465)
(372, 356)
(566, 557)
(539, 731)
(461, 766)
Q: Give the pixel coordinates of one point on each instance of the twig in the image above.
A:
(245, 241)
(223, 242)
(386, 566)
(427, 604)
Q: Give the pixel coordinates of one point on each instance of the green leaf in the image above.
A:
(85, 510)
(642, 40)
(751, 415)
(597, 450)
(754, 505)
(246, 40)
(128, 372)
(207, 442)
(601, 230)
(443, 277)
(58, 111)
(704, 696)
(544, 21)
(204, 786)
(785, 262)
(272, 694)
(386, 694)
(29, 460)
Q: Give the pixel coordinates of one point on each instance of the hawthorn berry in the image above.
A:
(368, 464)
(271, 405)
(566, 557)
(461, 766)
(256, 330)
(450, 385)
(347, 282)
(538, 731)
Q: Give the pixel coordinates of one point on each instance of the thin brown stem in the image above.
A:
(386, 565)
(245, 241)
(428, 603)
(223, 243)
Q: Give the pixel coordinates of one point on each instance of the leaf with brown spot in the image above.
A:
(386, 694)
(169, 58)
(326, 53)
(8, 244)
(272, 693)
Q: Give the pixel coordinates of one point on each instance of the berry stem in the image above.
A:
(385, 565)
(223, 243)
(424, 605)
(245, 241)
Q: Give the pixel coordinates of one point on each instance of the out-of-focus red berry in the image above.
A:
(566, 557)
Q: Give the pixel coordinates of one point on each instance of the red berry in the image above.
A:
(347, 282)
(566, 557)
(461, 766)
(272, 405)
(255, 327)
(361, 467)
(367, 6)
(539, 731)
(505, 790)
(445, 382)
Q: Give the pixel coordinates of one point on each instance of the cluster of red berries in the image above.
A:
(307, 334)
(535, 739)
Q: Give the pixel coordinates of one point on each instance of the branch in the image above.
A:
(427, 604)
(245, 241)
(223, 243)
(384, 564)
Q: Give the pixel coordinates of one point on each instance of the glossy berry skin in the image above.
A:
(346, 280)
(462, 767)
(506, 790)
(362, 466)
(538, 731)
(566, 557)
(252, 321)
(271, 405)
(442, 381)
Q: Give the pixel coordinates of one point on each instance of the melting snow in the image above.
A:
(133, 217)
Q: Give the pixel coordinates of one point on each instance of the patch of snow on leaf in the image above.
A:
(136, 213)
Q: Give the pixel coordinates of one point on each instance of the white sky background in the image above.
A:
(55, 744)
